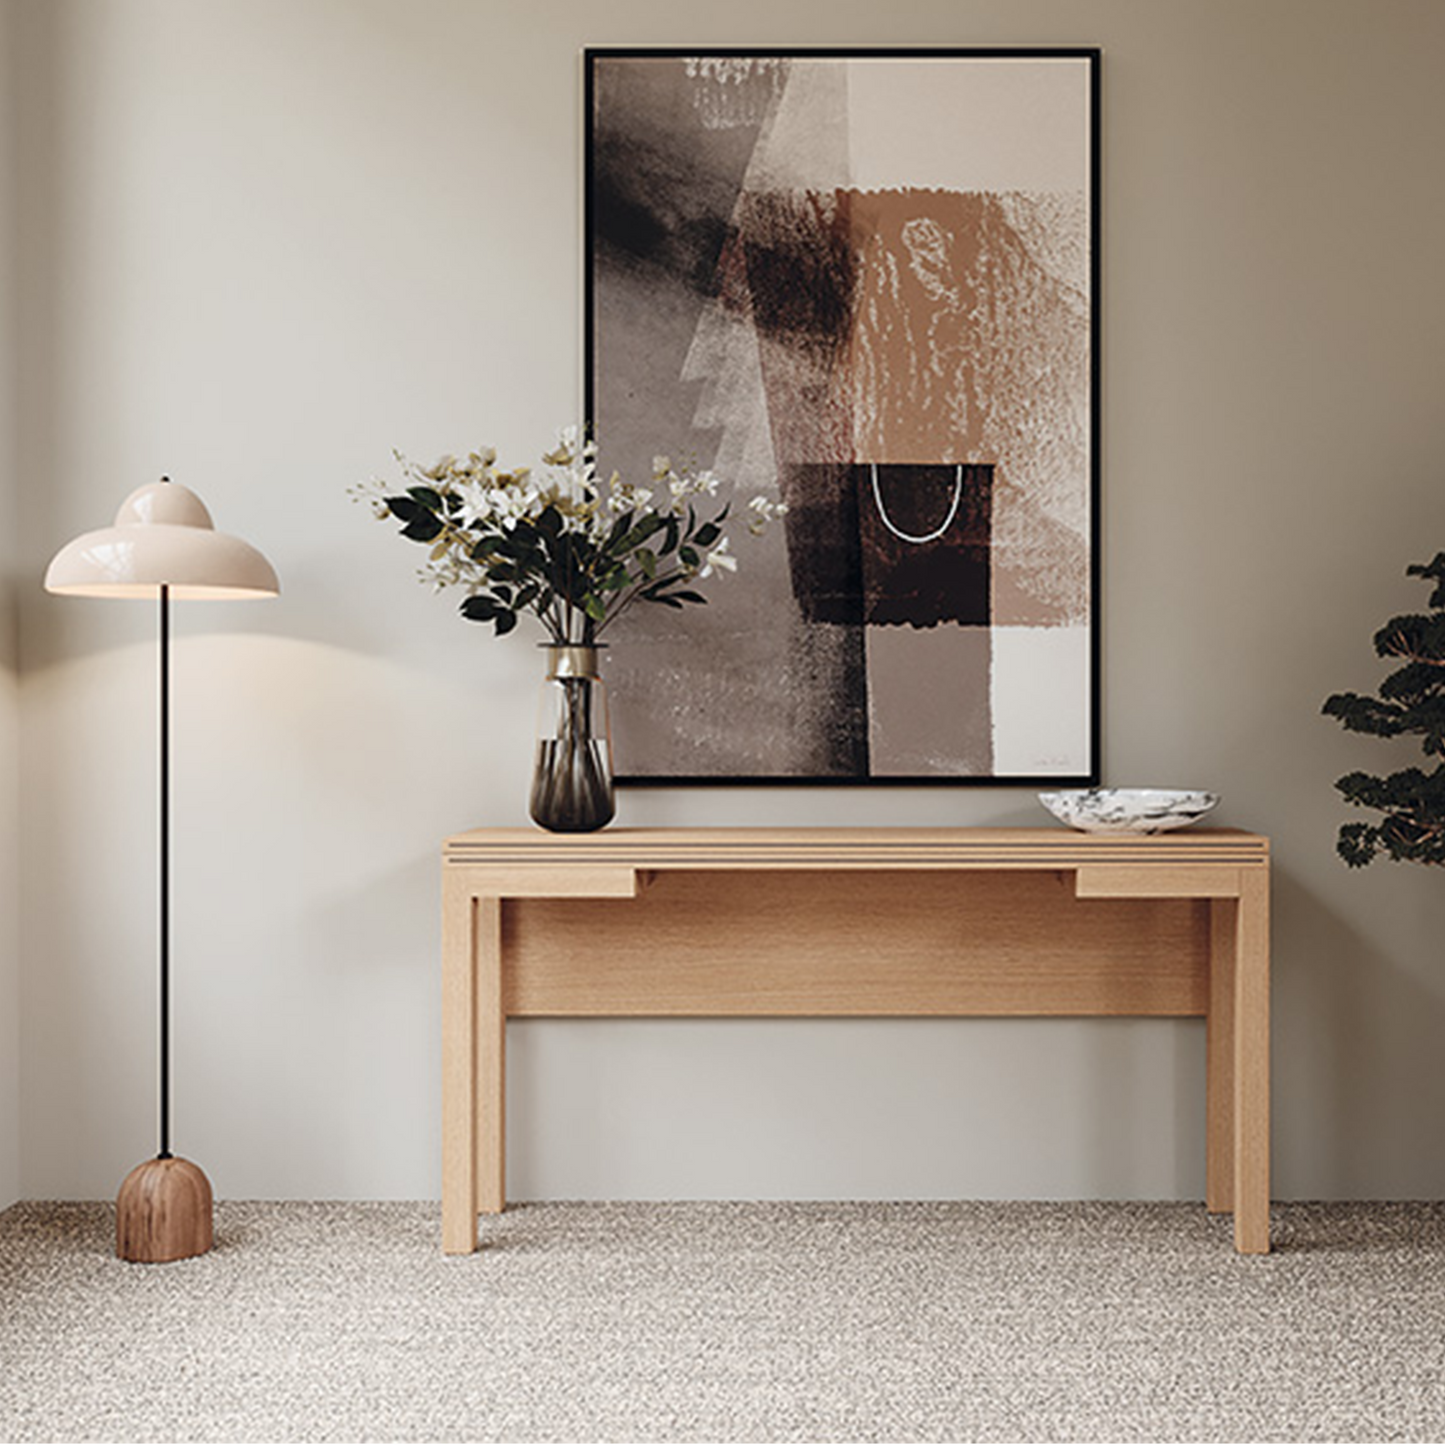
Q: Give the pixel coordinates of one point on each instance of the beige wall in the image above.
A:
(281, 239)
(9, 629)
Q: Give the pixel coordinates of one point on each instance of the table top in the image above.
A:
(820, 847)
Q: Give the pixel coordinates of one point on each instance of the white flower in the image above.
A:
(719, 559)
(477, 505)
(506, 506)
(764, 511)
(624, 497)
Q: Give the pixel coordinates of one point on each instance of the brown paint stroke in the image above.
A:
(793, 271)
(923, 326)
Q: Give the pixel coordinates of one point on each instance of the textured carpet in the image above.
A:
(759, 1322)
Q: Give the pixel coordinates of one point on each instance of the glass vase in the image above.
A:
(572, 781)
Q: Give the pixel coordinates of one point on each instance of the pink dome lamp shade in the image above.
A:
(163, 537)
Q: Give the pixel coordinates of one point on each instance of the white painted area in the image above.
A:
(1040, 687)
(267, 242)
(806, 144)
(971, 125)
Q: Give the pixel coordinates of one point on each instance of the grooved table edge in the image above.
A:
(860, 848)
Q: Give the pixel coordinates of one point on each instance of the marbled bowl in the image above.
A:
(1129, 810)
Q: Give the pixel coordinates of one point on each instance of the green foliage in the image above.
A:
(1410, 702)
(571, 549)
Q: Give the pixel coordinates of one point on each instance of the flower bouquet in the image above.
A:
(576, 553)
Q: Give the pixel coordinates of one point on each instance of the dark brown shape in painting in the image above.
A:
(943, 579)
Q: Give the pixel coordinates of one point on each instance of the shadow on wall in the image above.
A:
(1355, 1030)
(30, 91)
(1144, 1079)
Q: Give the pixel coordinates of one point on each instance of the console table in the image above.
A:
(736, 922)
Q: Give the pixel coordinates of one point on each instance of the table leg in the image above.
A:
(1219, 1058)
(1251, 1064)
(491, 1027)
(459, 1067)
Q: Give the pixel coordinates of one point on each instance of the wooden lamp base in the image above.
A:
(163, 1212)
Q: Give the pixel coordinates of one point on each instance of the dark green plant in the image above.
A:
(562, 545)
(1411, 701)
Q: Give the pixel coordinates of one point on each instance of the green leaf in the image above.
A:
(423, 527)
(479, 608)
(1358, 843)
(619, 530)
(594, 607)
(690, 556)
(429, 497)
(647, 560)
(707, 534)
(649, 526)
(1365, 714)
(1435, 570)
(666, 587)
(506, 621)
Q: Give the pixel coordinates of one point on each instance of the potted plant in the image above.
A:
(576, 553)
(1410, 701)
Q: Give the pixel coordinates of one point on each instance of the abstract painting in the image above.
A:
(863, 284)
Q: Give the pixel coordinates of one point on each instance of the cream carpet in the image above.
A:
(722, 1322)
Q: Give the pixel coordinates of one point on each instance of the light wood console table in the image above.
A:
(869, 921)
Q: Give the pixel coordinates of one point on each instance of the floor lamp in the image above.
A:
(163, 545)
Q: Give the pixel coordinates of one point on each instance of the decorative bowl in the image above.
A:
(1129, 810)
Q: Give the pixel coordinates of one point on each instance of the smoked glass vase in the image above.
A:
(572, 782)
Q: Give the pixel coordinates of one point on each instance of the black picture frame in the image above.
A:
(717, 197)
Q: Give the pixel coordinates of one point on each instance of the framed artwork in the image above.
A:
(864, 283)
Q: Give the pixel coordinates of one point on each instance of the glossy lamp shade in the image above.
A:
(163, 536)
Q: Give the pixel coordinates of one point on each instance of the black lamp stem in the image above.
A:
(165, 871)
